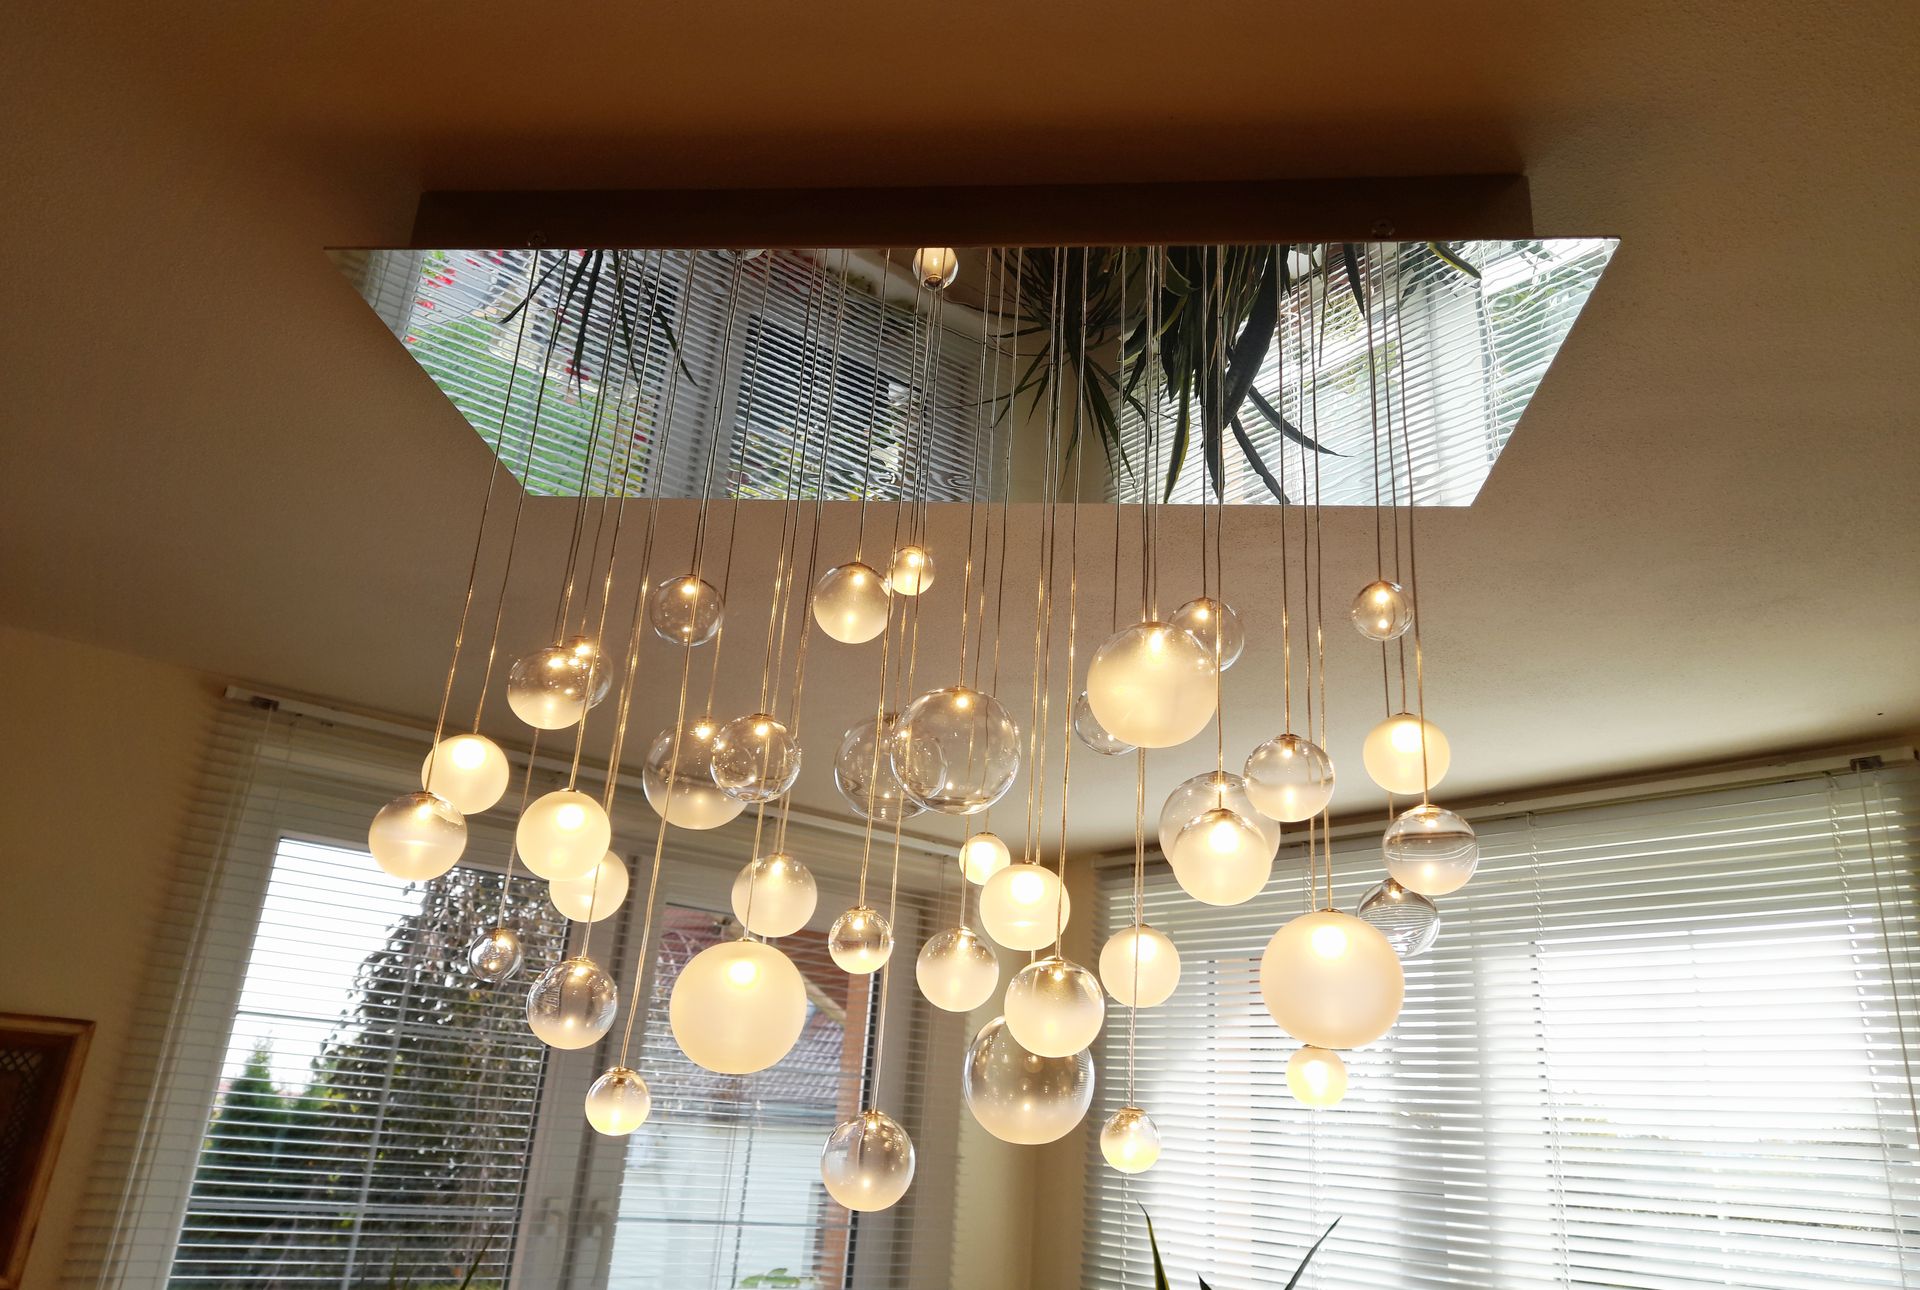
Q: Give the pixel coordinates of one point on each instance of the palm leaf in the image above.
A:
(1253, 459)
(1159, 1269)
(1452, 257)
(1350, 256)
(1312, 1250)
(1285, 426)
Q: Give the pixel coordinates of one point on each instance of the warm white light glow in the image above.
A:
(417, 837)
(737, 1007)
(562, 835)
(1020, 906)
(1157, 972)
(911, 571)
(867, 1164)
(1431, 850)
(593, 897)
(774, 895)
(1152, 686)
(860, 941)
(1021, 1097)
(851, 603)
(982, 856)
(1391, 755)
(685, 610)
(1331, 980)
(696, 802)
(1054, 1007)
(936, 267)
(1317, 1077)
(572, 1004)
(1221, 858)
(1129, 1140)
(1382, 611)
(1289, 778)
(618, 1102)
(957, 970)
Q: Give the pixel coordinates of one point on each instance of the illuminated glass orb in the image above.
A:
(1221, 858)
(548, 689)
(957, 971)
(936, 267)
(591, 898)
(1382, 611)
(1431, 850)
(755, 758)
(1140, 966)
(863, 772)
(685, 610)
(1317, 1077)
(1391, 755)
(618, 1102)
(572, 1004)
(860, 940)
(1054, 1007)
(956, 750)
(1021, 905)
(782, 892)
(1020, 1097)
(1214, 624)
(737, 1007)
(1289, 779)
(982, 856)
(1408, 920)
(1129, 1140)
(1152, 686)
(1087, 728)
(910, 572)
(696, 802)
(851, 603)
(867, 1163)
(562, 835)
(1215, 790)
(495, 954)
(1331, 980)
(469, 771)
(417, 836)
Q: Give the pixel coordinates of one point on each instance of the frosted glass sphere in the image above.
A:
(618, 1102)
(1212, 623)
(572, 1004)
(1129, 1140)
(1391, 755)
(1331, 980)
(495, 954)
(1140, 966)
(1054, 1007)
(936, 267)
(1431, 850)
(1382, 611)
(867, 1163)
(957, 971)
(755, 758)
(1408, 920)
(1020, 1097)
(685, 610)
(737, 1007)
(982, 856)
(548, 689)
(910, 572)
(1020, 906)
(593, 897)
(563, 835)
(863, 772)
(417, 836)
(1221, 858)
(696, 802)
(782, 892)
(956, 750)
(469, 771)
(1289, 778)
(1213, 791)
(860, 940)
(851, 603)
(1152, 686)
(1317, 1077)
(1087, 728)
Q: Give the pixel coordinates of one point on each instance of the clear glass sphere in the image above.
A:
(936, 267)
(1317, 1077)
(1140, 966)
(1023, 906)
(982, 856)
(1216, 790)
(562, 835)
(1331, 980)
(863, 772)
(495, 954)
(782, 892)
(1129, 1140)
(867, 1163)
(552, 688)
(1020, 1097)
(851, 603)
(737, 1007)
(1392, 757)
(593, 897)
(755, 758)
(1221, 858)
(1054, 1007)
(696, 802)
(1382, 611)
(1215, 624)
(417, 836)
(1289, 778)
(618, 1102)
(1431, 850)
(860, 940)
(685, 610)
(1408, 920)
(957, 970)
(956, 750)
(1088, 730)
(572, 1004)
(469, 771)
(910, 572)
(1152, 686)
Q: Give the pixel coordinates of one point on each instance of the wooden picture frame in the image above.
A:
(40, 1063)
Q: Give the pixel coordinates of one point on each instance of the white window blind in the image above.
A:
(1661, 1044)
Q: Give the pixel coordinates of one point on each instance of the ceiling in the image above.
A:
(1700, 544)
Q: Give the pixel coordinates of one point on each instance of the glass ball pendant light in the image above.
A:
(755, 758)
(417, 836)
(1382, 611)
(1129, 1140)
(956, 750)
(860, 940)
(1289, 778)
(737, 1007)
(1221, 858)
(1141, 959)
(1021, 1097)
(1213, 791)
(1331, 980)
(1392, 757)
(910, 572)
(936, 267)
(1216, 625)
(867, 1164)
(1054, 1007)
(851, 603)
(1431, 850)
(696, 802)
(1408, 920)
(1020, 906)
(572, 1004)
(1089, 731)
(685, 610)
(1152, 686)
(549, 688)
(1317, 1077)
(469, 771)
(618, 1102)
(594, 896)
(982, 856)
(563, 834)
(495, 954)
(863, 772)
(781, 891)
(957, 971)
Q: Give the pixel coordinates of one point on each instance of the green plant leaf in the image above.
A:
(1153, 1242)
(1253, 459)
(1312, 1250)
(1177, 450)
(1448, 254)
(1286, 427)
(1350, 255)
